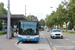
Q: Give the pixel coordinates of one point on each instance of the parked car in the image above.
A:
(56, 33)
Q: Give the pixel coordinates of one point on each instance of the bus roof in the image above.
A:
(27, 21)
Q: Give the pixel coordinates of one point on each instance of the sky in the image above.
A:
(38, 8)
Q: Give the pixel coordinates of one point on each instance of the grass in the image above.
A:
(3, 32)
(69, 32)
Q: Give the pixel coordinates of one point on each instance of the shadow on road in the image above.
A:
(58, 38)
(29, 42)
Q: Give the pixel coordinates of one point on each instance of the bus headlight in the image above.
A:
(36, 36)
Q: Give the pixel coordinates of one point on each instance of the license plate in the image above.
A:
(27, 37)
(28, 40)
(57, 35)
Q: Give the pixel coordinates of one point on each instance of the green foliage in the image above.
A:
(2, 11)
(2, 32)
(63, 14)
(0, 24)
(71, 7)
(29, 18)
(70, 26)
(69, 32)
(74, 27)
(42, 28)
(50, 20)
(42, 22)
(63, 31)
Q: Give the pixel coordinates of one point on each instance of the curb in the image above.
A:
(16, 44)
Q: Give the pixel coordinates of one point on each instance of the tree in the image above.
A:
(42, 22)
(63, 14)
(48, 21)
(29, 17)
(71, 7)
(53, 19)
(2, 11)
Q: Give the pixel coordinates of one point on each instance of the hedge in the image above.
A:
(3, 32)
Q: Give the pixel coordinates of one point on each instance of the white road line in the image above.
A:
(73, 41)
(18, 46)
(66, 39)
(69, 37)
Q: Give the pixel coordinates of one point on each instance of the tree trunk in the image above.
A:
(66, 26)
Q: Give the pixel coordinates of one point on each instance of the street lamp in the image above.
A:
(54, 25)
(25, 10)
(51, 7)
(30, 17)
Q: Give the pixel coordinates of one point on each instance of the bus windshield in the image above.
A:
(28, 28)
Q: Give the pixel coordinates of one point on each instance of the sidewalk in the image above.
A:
(8, 44)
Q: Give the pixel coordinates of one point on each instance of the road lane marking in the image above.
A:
(69, 35)
(48, 39)
(46, 36)
(41, 36)
(50, 43)
(73, 41)
(41, 43)
(40, 47)
(41, 39)
(54, 48)
(66, 39)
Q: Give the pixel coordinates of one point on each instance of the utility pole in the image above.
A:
(25, 10)
(8, 24)
(30, 17)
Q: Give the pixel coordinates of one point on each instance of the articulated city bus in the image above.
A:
(28, 31)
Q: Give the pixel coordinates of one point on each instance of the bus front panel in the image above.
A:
(28, 29)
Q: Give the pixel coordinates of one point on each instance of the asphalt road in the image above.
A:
(47, 43)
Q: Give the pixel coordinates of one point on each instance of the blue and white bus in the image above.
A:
(28, 31)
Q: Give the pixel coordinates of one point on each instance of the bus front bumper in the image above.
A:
(24, 39)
